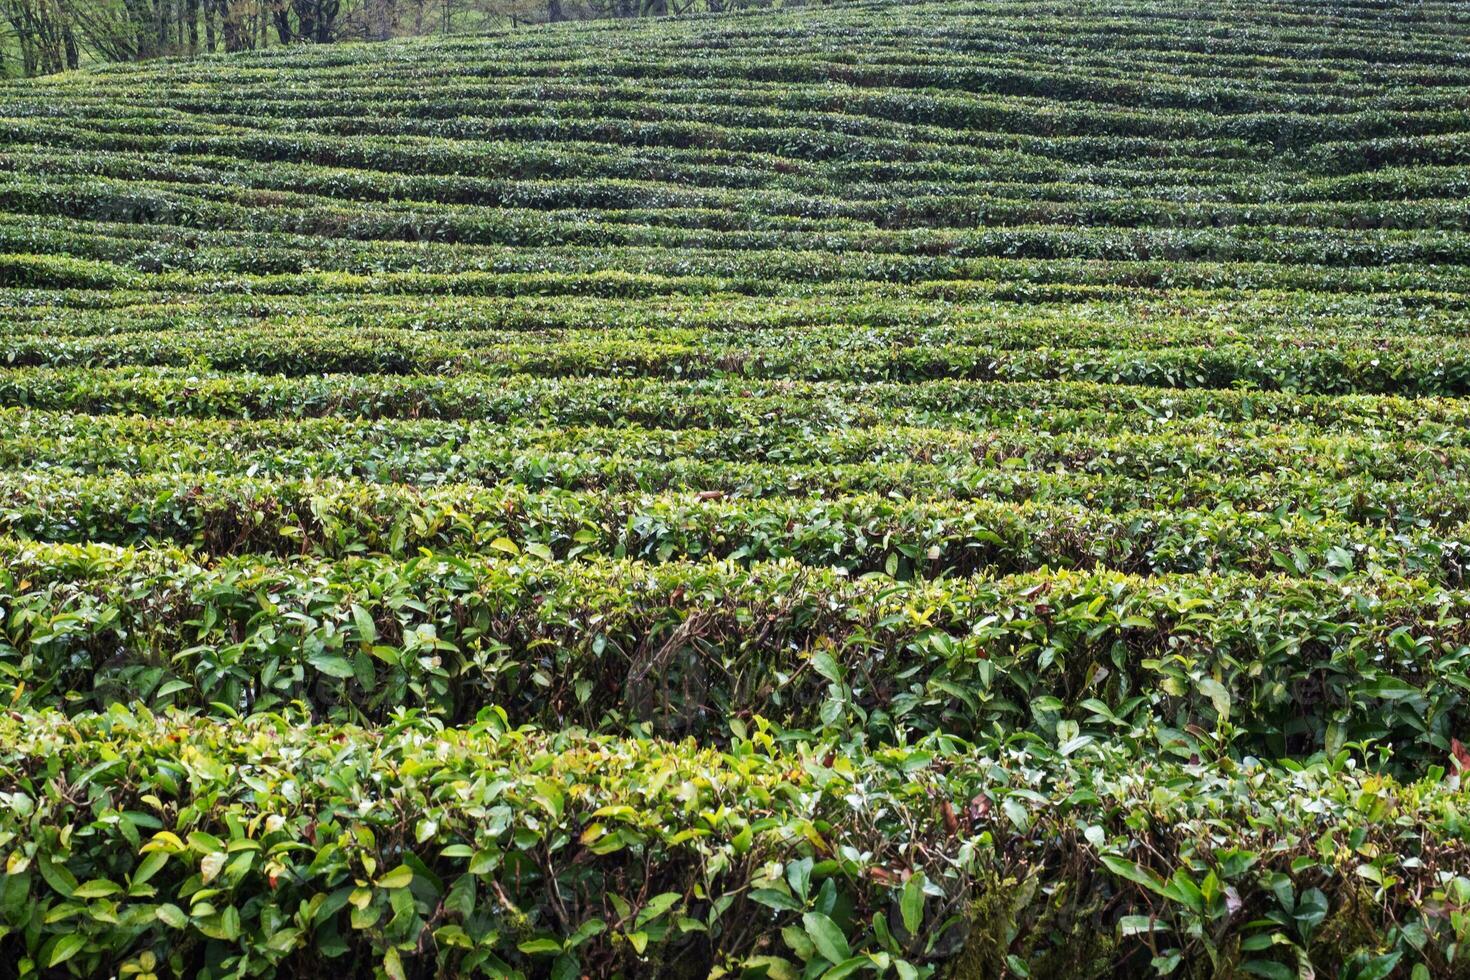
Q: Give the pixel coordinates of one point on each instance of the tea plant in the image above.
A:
(940, 489)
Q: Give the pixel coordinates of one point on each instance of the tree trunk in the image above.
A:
(160, 17)
(230, 27)
(140, 18)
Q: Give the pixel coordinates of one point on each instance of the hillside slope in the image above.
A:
(973, 488)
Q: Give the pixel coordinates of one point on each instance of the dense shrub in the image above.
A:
(904, 490)
(219, 848)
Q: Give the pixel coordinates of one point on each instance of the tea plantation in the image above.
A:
(966, 489)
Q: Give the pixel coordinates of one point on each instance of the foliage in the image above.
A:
(240, 848)
(935, 489)
(1269, 667)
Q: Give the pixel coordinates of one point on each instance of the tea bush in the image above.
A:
(953, 488)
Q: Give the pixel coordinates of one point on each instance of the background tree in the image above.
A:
(43, 36)
(38, 37)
